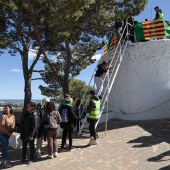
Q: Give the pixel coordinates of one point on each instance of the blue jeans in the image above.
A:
(4, 139)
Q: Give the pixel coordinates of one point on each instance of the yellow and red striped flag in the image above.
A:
(110, 45)
(153, 29)
(113, 41)
(105, 48)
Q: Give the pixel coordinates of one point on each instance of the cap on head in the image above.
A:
(92, 92)
(157, 7)
(45, 100)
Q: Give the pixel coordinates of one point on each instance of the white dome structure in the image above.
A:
(141, 89)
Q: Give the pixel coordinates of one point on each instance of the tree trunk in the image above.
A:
(27, 90)
(65, 83)
(27, 78)
(65, 87)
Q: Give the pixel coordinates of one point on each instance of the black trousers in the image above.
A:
(92, 123)
(78, 127)
(24, 149)
(64, 137)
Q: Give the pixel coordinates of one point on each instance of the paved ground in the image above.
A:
(127, 145)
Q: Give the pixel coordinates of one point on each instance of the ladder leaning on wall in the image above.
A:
(116, 59)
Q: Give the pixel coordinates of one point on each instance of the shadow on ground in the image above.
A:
(165, 168)
(159, 130)
(161, 157)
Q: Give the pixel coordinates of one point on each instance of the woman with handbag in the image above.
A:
(53, 119)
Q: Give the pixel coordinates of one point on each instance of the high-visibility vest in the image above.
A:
(95, 113)
(160, 15)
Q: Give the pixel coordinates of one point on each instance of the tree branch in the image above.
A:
(38, 71)
(36, 79)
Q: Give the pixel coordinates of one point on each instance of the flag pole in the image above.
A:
(107, 103)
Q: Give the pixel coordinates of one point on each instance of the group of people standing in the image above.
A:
(41, 122)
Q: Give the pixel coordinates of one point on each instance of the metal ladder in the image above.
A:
(117, 56)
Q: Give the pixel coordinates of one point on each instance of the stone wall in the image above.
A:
(141, 89)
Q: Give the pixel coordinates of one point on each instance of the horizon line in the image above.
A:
(19, 99)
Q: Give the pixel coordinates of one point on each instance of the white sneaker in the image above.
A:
(50, 156)
(95, 142)
(7, 164)
(55, 154)
(91, 140)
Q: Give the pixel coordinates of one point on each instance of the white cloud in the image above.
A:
(32, 54)
(14, 70)
(97, 56)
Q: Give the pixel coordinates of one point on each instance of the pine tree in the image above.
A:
(80, 31)
(70, 29)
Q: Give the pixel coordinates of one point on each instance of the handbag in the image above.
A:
(43, 130)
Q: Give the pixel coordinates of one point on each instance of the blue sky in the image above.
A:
(12, 81)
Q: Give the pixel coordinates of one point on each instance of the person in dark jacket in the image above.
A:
(28, 131)
(129, 33)
(132, 22)
(117, 28)
(80, 112)
(98, 78)
(68, 121)
(41, 108)
(94, 114)
(159, 14)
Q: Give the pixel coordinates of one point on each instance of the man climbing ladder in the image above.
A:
(98, 79)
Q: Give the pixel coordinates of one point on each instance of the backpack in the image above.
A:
(64, 115)
(39, 113)
(53, 121)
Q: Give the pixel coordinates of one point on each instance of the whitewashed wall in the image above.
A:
(142, 87)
